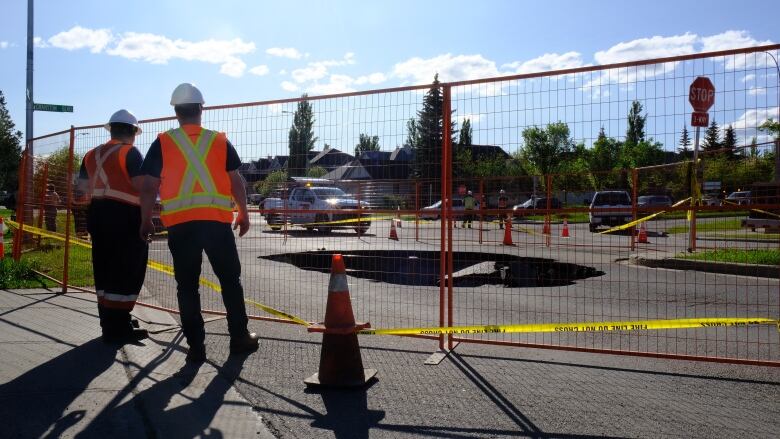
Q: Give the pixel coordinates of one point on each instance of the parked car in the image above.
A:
(434, 210)
(710, 200)
(536, 203)
(255, 199)
(739, 198)
(619, 205)
(654, 201)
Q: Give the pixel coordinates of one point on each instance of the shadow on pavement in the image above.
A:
(162, 415)
(35, 402)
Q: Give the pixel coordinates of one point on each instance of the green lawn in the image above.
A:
(709, 226)
(757, 256)
(47, 259)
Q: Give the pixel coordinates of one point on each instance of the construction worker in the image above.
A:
(51, 200)
(469, 203)
(195, 171)
(503, 202)
(111, 176)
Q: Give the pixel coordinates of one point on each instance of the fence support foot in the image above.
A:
(439, 356)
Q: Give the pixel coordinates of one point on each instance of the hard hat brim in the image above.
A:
(138, 129)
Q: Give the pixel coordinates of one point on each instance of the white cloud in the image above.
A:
(754, 91)
(283, 72)
(337, 84)
(284, 52)
(260, 70)
(449, 68)
(289, 86)
(373, 79)
(79, 38)
(751, 119)
(311, 73)
(731, 39)
(644, 48)
(39, 43)
(4, 44)
(158, 49)
(750, 77)
(546, 62)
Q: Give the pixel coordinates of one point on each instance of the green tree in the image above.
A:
(274, 181)
(771, 127)
(58, 169)
(465, 133)
(10, 149)
(753, 148)
(635, 132)
(430, 134)
(366, 143)
(685, 144)
(729, 142)
(316, 172)
(712, 138)
(604, 156)
(301, 138)
(544, 147)
(412, 136)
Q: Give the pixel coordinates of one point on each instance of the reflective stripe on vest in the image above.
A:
(100, 175)
(197, 172)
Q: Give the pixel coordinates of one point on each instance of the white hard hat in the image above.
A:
(469, 192)
(501, 191)
(123, 116)
(186, 93)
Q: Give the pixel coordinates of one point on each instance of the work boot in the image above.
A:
(196, 354)
(126, 336)
(247, 343)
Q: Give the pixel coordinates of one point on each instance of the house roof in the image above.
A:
(353, 170)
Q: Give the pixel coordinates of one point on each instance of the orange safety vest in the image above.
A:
(194, 185)
(107, 169)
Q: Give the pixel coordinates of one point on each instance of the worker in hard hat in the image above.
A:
(503, 203)
(195, 171)
(110, 177)
(469, 204)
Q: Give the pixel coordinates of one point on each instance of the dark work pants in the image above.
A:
(187, 242)
(118, 259)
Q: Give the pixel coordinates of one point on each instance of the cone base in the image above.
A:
(368, 375)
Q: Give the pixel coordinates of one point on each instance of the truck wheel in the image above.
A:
(592, 228)
(361, 230)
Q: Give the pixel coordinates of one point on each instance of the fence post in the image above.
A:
(447, 124)
(482, 200)
(634, 183)
(548, 217)
(417, 211)
(21, 205)
(69, 205)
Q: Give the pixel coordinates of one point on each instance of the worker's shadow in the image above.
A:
(36, 403)
(190, 416)
(347, 413)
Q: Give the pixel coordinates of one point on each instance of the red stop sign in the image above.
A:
(701, 94)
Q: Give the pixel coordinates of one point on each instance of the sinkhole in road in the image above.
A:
(420, 268)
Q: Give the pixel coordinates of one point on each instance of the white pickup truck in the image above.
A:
(324, 202)
(610, 208)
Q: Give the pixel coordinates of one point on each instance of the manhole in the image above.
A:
(419, 268)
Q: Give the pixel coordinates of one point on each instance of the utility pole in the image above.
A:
(28, 130)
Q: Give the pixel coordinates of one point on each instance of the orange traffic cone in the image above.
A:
(642, 239)
(508, 232)
(340, 362)
(565, 231)
(393, 232)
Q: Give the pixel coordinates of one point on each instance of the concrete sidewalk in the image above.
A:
(57, 379)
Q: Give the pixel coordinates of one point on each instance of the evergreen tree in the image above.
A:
(465, 133)
(430, 130)
(10, 149)
(366, 143)
(412, 136)
(301, 138)
(754, 148)
(685, 144)
(729, 141)
(712, 137)
(636, 124)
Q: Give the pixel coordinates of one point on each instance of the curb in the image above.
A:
(768, 271)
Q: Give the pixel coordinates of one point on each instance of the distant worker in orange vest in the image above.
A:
(195, 171)
(111, 176)
(503, 203)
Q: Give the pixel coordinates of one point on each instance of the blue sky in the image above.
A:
(99, 56)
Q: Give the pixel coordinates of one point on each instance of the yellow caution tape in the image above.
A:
(162, 268)
(641, 220)
(639, 325)
(754, 210)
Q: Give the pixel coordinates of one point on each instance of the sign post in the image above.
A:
(701, 95)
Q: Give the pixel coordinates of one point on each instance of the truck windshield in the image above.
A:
(611, 199)
(329, 192)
